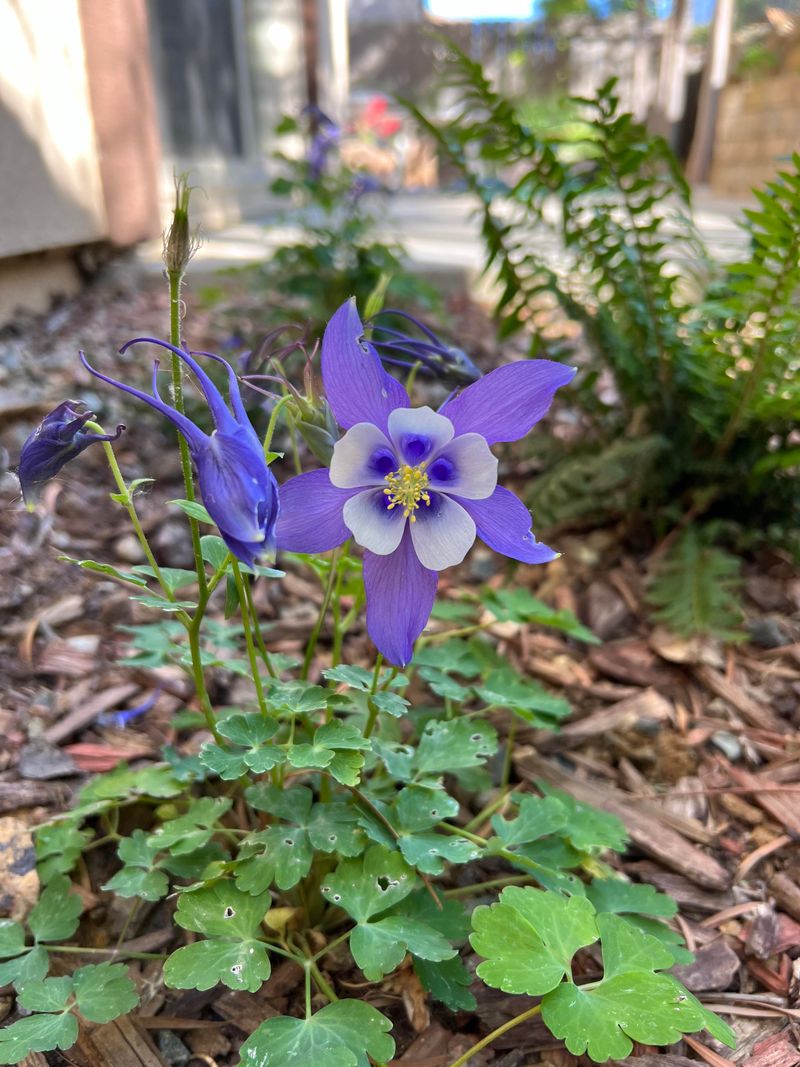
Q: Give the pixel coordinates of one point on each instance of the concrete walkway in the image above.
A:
(438, 231)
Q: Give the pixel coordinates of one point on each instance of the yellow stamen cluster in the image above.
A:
(407, 487)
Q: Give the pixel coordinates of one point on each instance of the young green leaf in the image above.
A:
(537, 817)
(336, 746)
(631, 1003)
(104, 991)
(37, 1033)
(588, 829)
(58, 846)
(193, 829)
(447, 981)
(378, 947)
(55, 916)
(528, 938)
(342, 1034)
(620, 897)
(139, 876)
(505, 688)
(193, 510)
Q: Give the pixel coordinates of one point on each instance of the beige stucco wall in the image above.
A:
(757, 128)
(50, 188)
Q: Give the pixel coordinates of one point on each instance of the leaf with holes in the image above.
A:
(370, 885)
(334, 827)
(448, 746)
(283, 852)
(233, 953)
(430, 852)
(631, 1003)
(528, 938)
(342, 1034)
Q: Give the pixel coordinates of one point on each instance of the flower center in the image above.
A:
(406, 487)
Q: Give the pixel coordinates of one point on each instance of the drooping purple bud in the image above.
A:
(400, 348)
(58, 438)
(238, 488)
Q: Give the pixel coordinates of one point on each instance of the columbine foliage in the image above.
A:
(327, 813)
(703, 355)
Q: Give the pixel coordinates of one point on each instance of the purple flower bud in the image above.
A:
(57, 439)
(402, 349)
(238, 488)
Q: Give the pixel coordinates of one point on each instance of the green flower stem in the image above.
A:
(175, 278)
(531, 1013)
(490, 809)
(262, 648)
(199, 677)
(127, 502)
(331, 946)
(79, 950)
(307, 969)
(372, 718)
(505, 775)
(311, 647)
(273, 422)
(480, 887)
(248, 636)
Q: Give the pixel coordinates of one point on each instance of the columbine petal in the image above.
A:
(442, 534)
(419, 433)
(504, 524)
(505, 404)
(400, 595)
(373, 525)
(311, 514)
(357, 386)
(465, 467)
(363, 456)
(239, 492)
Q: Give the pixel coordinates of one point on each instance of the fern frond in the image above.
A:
(695, 589)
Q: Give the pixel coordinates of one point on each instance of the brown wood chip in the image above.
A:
(754, 713)
(646, 705)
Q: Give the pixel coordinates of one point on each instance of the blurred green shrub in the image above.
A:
(698, 414)
(336, 253)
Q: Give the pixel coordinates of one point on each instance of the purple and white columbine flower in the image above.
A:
(412, 486)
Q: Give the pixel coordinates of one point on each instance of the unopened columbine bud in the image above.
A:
(179, 243)
(316, 425)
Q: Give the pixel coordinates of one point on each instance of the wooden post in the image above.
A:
(715, 75)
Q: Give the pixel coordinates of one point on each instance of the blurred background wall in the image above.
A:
(102, 100)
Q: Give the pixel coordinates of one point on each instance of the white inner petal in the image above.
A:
(465, 467)
(419, 433)
(360, 456)
(371, 523)
(442, 534)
